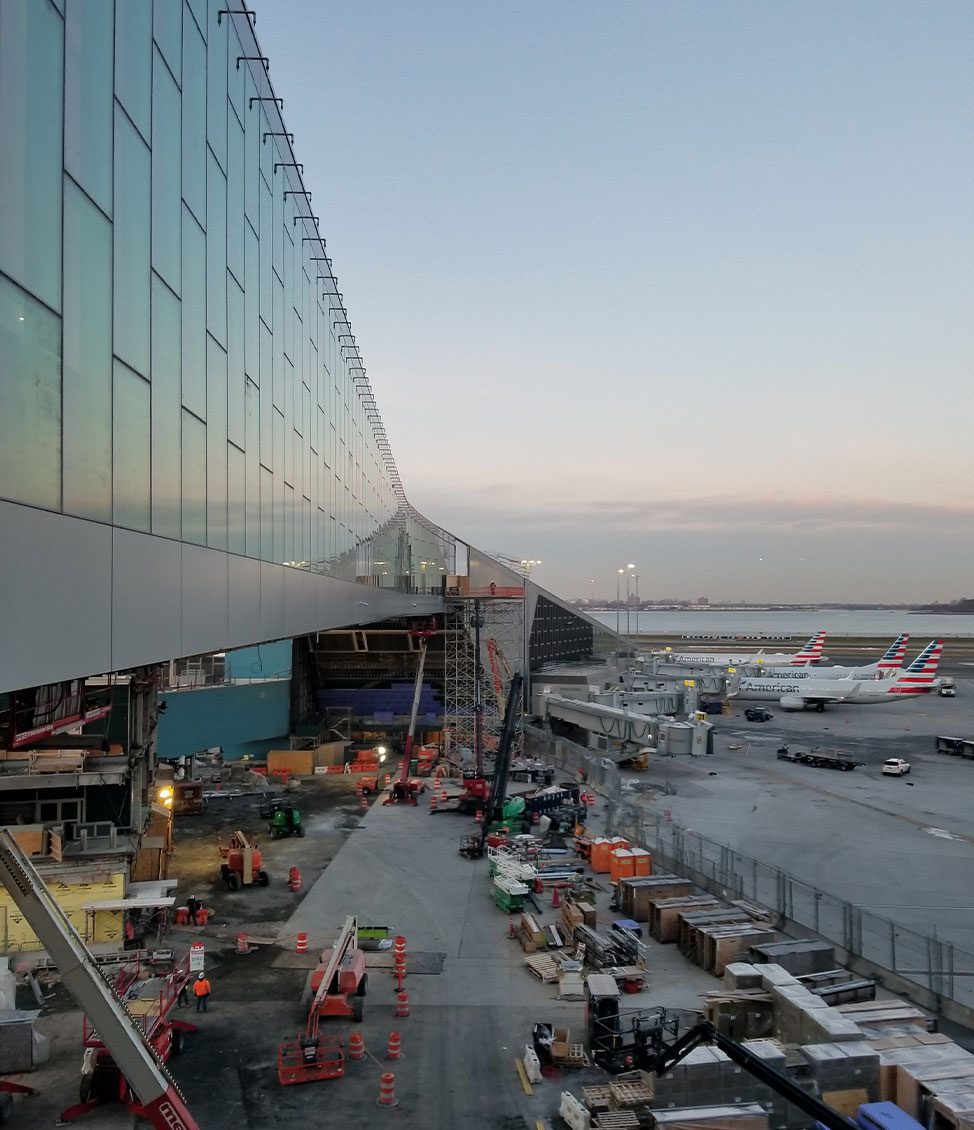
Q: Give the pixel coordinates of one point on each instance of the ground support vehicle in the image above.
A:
(958, 747)
(338, 984)
(758, 714)
(242, 863)
(149, 1090)
(820, 758)
(285, 819)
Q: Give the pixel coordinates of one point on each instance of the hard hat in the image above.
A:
(199, 976)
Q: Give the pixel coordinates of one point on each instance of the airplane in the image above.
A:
(919, 678)
(886, 666)
(810, 653)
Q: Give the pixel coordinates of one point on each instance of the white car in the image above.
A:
(895, 767)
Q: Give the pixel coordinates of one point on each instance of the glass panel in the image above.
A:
(167, 27)
(87, 345)
(194, 479)
(166, 181)
(268, 152)
(266, 403)
(235, 199)
(236, 76)
(216, 81)
(278, 489)
(290, 541)
(88, 32)
(132, 243)
(236, 500)
(252, 303)
(194, 117)
(216, 445)
(198, 8)
(252, 413)
(31, 94)
(133, 59)
(277, 324)
(166, 333)
(266, 514)
(265, 253)
(251, 153)
(194, 315)
(235, 363)
(216, 250)
(30, 405)
(280, 205)
(130, 450)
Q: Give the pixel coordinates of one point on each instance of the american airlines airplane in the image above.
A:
(885, 667)
(797, 694)
(810, 653)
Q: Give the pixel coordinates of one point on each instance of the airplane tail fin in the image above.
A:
(922, 672)
(892, 659)
(811, 652)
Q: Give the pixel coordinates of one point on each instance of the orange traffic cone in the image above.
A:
(555, 898)
(402, 1005)
(356, 1046)
(387, 1090)
(394, 1050)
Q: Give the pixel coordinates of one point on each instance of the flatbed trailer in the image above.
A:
(821, 758)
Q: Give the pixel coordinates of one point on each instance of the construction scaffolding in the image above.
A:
(495, 617)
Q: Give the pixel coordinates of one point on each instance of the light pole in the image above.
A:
(629, 569)
(591, 591)
(618, 597)
(638, 606)
(527, 564)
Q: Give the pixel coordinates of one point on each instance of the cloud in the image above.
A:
(505, 508)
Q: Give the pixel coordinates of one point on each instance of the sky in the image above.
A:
(688, 285)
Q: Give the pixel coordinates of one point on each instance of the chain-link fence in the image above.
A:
(934, 972)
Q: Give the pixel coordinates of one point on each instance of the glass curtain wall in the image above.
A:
(174, 355)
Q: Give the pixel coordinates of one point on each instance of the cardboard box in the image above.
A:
(559, 1045)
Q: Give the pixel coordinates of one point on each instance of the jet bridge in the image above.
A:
(657, 735)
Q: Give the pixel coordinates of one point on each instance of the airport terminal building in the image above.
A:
(192, 458)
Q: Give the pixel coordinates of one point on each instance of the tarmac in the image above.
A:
(468, 1021)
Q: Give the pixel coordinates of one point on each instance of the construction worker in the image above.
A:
(201, 990)
(192, 906)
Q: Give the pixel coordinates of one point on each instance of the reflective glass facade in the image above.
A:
(175, 358)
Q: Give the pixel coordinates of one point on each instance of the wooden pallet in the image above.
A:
(624, 1095)
(616, 1120)
(596, 1098)
(576, 1057)
(543, 967)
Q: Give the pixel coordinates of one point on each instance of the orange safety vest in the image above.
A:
(201, 988)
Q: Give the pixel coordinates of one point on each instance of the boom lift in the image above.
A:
(404, 790)
(650, 1040)
(150, 1091)
(311, 1056)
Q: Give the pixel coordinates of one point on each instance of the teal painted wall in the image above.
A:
(266, 661)
(247, 718)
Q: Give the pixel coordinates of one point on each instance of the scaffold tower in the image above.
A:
(501, 614)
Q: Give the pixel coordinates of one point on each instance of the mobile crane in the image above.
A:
(650, 1040)
(151, 1092)
(473, 846)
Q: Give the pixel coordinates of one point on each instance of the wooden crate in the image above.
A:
(623, 1096)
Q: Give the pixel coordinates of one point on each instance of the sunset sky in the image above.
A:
(688, 285)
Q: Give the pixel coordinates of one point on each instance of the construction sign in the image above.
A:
(196, 958)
